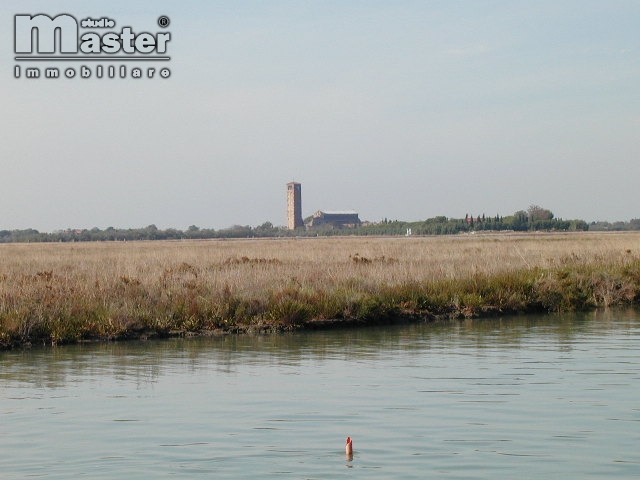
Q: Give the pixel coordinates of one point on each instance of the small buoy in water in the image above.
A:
(349, 446)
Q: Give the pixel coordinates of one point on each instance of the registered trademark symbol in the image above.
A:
(163, 21)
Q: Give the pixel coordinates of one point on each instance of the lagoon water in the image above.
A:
(518, 397)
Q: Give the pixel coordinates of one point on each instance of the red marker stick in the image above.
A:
(349, 446)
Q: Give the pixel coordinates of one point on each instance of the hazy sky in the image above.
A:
(397, 109)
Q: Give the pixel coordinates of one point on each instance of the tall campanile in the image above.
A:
(294, 205)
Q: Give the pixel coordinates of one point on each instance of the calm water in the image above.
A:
(526, 397)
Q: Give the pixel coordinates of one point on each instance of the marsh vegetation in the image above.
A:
(68, 292)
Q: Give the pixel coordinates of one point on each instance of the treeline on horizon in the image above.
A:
(534, 219)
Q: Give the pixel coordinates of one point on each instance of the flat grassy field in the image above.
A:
(66, 292)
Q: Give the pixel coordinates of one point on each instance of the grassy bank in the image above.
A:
(58, 293)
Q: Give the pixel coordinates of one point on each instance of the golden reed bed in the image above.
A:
(51, 293)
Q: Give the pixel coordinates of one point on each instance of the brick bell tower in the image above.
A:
(294, 206)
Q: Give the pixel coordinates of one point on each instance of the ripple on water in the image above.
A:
(420, 403)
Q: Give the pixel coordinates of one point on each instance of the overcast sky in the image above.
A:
(397, 109)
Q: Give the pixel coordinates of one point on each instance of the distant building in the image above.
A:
(340, 219)
(294, 206)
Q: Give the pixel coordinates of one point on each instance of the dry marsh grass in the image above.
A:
(53, 293)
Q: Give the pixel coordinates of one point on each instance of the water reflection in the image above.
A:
(553, 396)
(144, 362)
